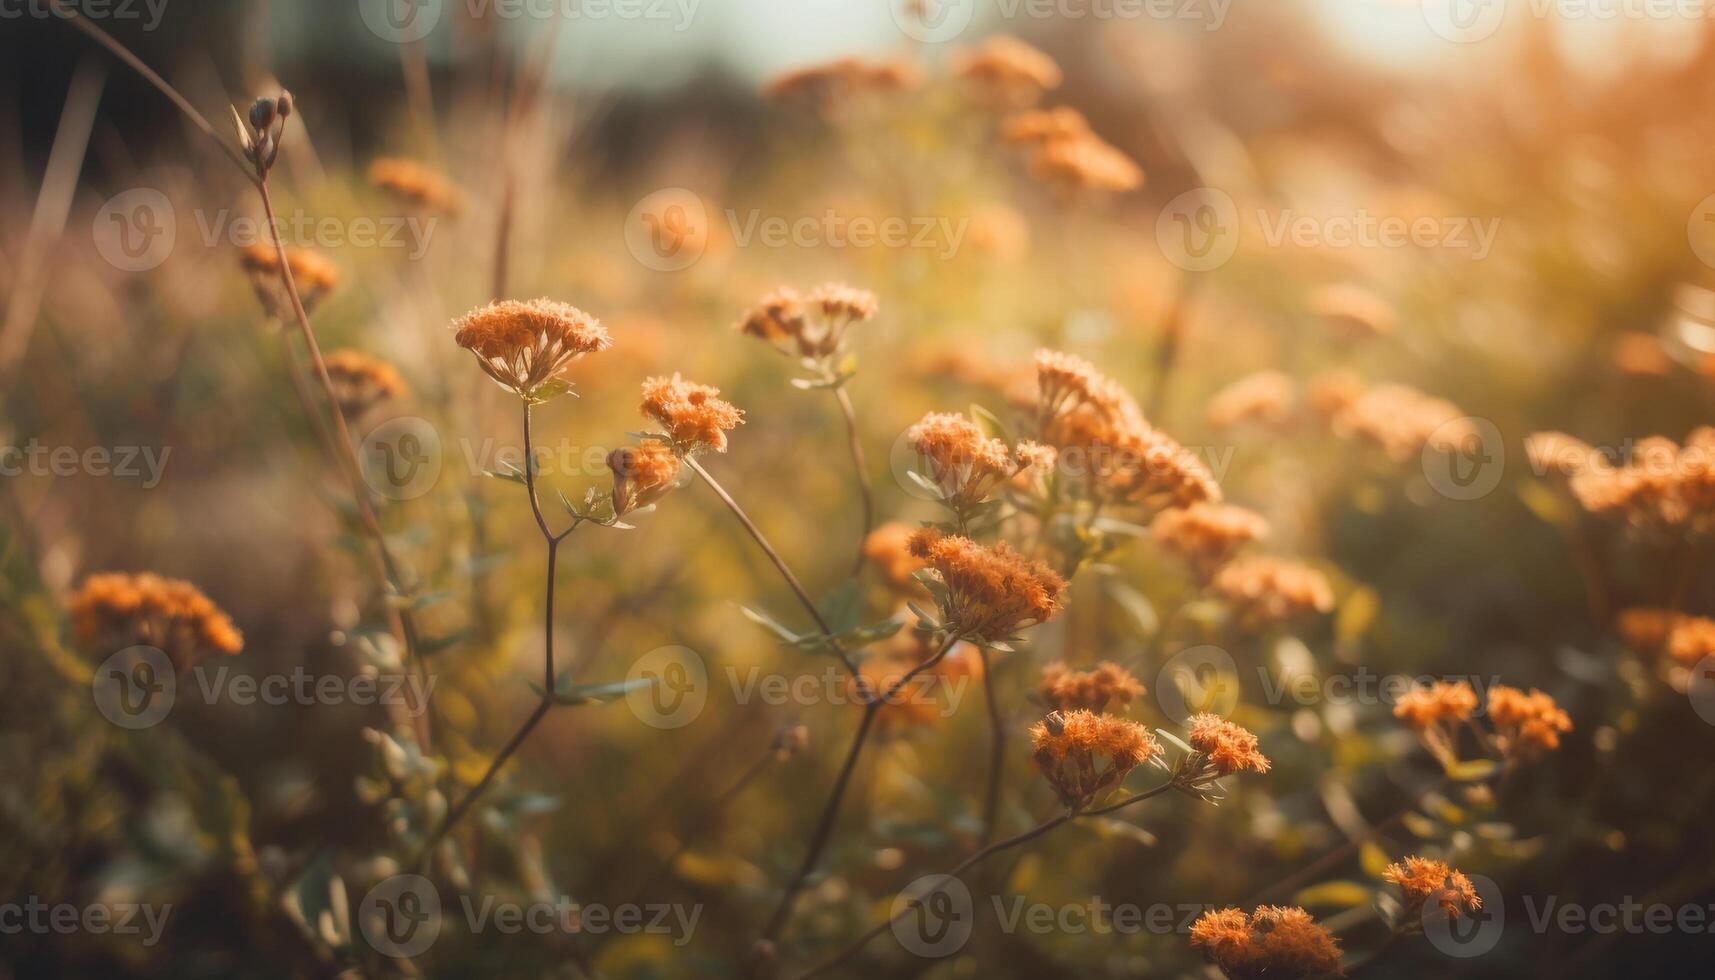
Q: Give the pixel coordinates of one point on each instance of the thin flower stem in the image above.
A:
(548, 681)
(831, 809)
(354, 473)
(774, 556)
(136, 64)
(966, 865)
(997, 749)
(861, 468)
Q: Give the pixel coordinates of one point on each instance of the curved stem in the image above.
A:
(997, 749)
(830, 809)
(855, 443)
(774, 556)
(967, 864)
(548, 681)
(347, 457)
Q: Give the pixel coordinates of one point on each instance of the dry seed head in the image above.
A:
(528, 346)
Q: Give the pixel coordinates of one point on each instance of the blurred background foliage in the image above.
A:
(1590, 148)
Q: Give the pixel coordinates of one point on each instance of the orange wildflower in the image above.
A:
(695, 417)
(115, 610)
(361, 382)
(1007, 72)
(888, 547)
(312, 272)
(1272, 943)
(1071, 746)
(1424, 881)
(1065, 689)
(1206, 536)
(1229, 748)
(963, 462)
(991, 592)
(1266, 591)
(642, 474)
(415, 184)
(1526, 724)
(527, 347)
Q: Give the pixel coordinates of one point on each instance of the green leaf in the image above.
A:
(1335, 894)
(843, 607)
(511, 477)
(990, 423)
(927, 484)
(1110, 828)
(1472, 770)
(570, 695)
(1135, 603)
(1372, 859)
(769, 623)
(1175, 740)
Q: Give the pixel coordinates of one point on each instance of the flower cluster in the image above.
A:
(1662, 488)
(813, 327)
(888, 548)
(1066, 153)
(1265, 398)
(966, 465)
(1400, 419)
(527, 347)
(1206, 536)
(1425, 881)
(1434, 711)
(1354, 311)
(693, 415)
(1065, 689)
(1526, 723)
(991, 592)
(115, 610)
(1083, 754)
(1105, 444)
(1267, 591)
(642, 474)
(1271, 943)
(835, 85)
(416, 185)
(312, 272)
(1007, 73)
(360, 382)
